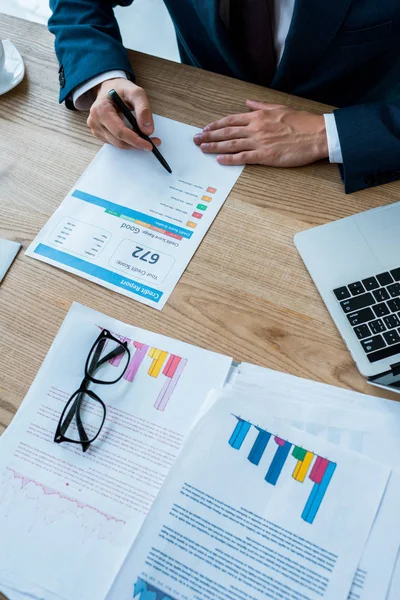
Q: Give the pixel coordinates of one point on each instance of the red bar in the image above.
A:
(174, 235)
(318, 470)
(171, 366)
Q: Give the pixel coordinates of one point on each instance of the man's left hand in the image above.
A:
(270, 134)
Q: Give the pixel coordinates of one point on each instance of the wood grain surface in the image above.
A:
(246, 293)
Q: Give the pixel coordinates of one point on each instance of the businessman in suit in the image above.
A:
(341, 52)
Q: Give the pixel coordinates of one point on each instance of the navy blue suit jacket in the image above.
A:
(341, 52)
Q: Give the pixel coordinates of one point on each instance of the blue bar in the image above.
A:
(239, 433)
(278, 461)
(259, 446)
(317, 495)
(104, 274)
(134, 214)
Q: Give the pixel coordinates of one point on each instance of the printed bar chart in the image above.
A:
(239, 433)
(321, 472)
(173, 369)
(145, 591)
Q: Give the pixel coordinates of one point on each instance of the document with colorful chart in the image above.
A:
(255, 509)
(130, 225)
(68, 518)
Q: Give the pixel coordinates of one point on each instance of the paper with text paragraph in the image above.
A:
(68, 518)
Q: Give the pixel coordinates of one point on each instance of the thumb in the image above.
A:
(141, 105)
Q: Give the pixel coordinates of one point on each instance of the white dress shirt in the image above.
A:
(83, 96)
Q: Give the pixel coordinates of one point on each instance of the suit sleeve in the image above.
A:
(87, 42)
(369, 137)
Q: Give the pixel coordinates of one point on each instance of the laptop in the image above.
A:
(355, 265)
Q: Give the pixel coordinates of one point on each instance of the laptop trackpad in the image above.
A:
(381, 230)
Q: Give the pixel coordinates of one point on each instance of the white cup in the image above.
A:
(2, 58)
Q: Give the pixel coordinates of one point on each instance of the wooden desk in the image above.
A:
(246, 292)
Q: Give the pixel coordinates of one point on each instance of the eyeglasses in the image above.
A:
(84, 414)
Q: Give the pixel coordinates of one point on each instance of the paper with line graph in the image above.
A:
(67, 518)
(255, 509)
(131, 226)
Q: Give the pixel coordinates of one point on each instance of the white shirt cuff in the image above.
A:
(83, 96)
(335, 151)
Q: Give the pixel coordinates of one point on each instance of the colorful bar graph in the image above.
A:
(173, 371)
(278, 461)
(301, 469)
(259, 446)
(159, 357)
(321, 472)
(317, 494)
(239, 433)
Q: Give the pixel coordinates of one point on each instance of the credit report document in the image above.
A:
(67, 518)
(130, 225)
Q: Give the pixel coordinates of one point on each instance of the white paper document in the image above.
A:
(8, 252)
(69, 518)
(130, 225)
(255, 509)
(355, 421)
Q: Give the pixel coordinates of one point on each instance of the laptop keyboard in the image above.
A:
(372, 307)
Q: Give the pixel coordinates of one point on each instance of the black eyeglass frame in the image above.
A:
(73, 406)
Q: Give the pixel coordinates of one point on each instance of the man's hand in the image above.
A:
(270, 134)
(106, 122)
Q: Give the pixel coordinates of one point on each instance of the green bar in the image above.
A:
(127, 218)
(111, 212)
(299, 453)
(201, 206)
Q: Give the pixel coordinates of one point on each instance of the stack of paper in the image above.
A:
(68, 518)
(278, 493)
(208, 481)
(365, 424)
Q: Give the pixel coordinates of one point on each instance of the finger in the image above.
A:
(242, 158)
(226, 133)
(139, 101)
(115, 125)
(231, 121)
(227, 147)
(257, 105)
(103, 134)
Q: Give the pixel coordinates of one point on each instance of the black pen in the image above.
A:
(132, 121)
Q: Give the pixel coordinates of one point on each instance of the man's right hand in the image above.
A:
(106, 122)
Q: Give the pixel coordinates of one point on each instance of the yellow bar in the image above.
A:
(191, 224)
(305, 465)
(206, 198)
(297, 469)
(142, 224)
(157, 364)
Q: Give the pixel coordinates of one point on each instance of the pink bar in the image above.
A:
(134, 365)
(169, 386)
(171, 366)
(318, 470)
(115, 361)
(279, 441)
